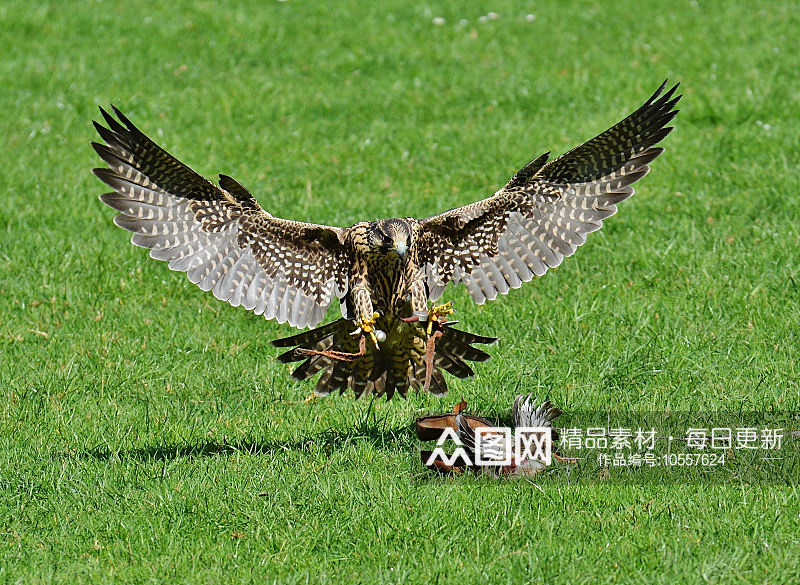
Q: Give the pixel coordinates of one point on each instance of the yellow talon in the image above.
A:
(439, 314)
(368, 327)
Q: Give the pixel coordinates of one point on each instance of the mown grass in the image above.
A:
(148, 435)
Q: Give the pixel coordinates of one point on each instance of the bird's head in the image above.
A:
(390, 235)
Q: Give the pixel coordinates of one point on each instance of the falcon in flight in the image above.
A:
(384, 272)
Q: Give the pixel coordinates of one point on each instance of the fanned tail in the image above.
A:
(399, 363)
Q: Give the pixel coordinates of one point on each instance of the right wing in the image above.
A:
(545, 211)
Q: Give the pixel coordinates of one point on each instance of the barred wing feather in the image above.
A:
(545, 211)
(219, 235)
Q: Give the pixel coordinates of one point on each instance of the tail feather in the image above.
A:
(467, 338)
(340, 376)
(454, 365)
(379, 382)
(323, 387)
(310, 367)
(313, 336)
(395, 367)
(438, 385)
(359, 385)
(458, 343)
(396, 381)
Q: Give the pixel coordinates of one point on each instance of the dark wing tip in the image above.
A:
(124, 119)
(105, 133)
(113, 124)
(664, 102)
(99, 148)
(100, 171)
(660, 89)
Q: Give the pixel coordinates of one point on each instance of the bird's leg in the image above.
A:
(439, 314)
(430, 351)
(367, 326)
(436, 315)
(419, 300)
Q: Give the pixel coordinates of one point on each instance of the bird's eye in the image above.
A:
(378, 239)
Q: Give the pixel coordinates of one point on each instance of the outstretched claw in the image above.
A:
(368, 326)
(439, 315)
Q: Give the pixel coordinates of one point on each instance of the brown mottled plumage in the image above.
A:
(385, 272)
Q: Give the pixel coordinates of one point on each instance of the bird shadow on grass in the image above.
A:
(370, 431)
(324, 442)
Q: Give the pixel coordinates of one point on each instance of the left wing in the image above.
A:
(219, 235)
(545, 211)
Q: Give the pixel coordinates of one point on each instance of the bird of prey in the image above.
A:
(526, 413)
(385, 272)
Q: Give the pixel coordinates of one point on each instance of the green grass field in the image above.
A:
(147, 435)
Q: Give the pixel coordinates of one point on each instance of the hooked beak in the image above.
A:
(400, 247)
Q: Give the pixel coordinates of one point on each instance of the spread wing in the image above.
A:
(545, 211)
(219, 235)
